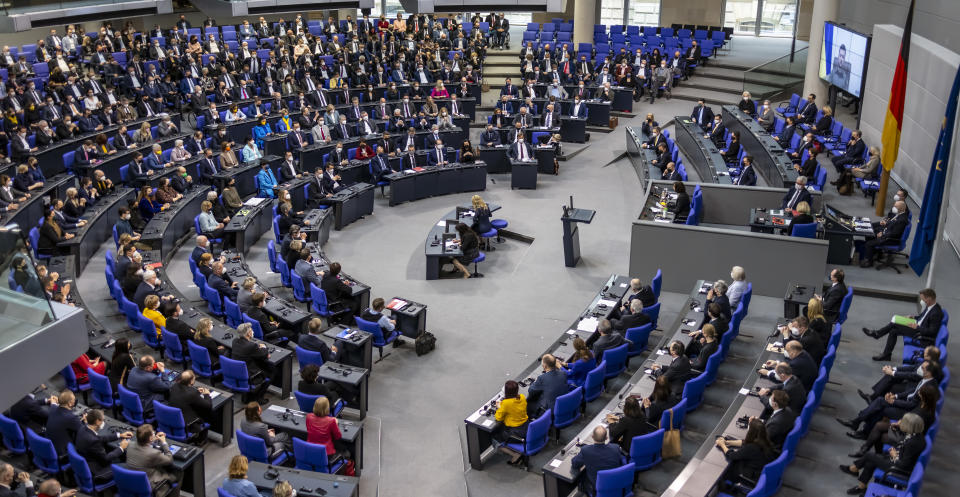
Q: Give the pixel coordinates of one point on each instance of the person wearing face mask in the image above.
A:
(96, 446)
(870, 168)
(893, 405)
(766, 116)
(922, 327)
(261, 130)
(656, 138)
(853, 153)
(801, 364)
(799, 330)
(678, 370)
(747, 105)
(8, 193)
(716, 132)
(331, 181)
(889, 233)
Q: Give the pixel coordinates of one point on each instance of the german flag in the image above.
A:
(893, 123)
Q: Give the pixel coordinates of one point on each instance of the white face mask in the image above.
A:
(920, 370)
(896, 198)
(794, 331)
(806, 139)
(895, 210)
(287, 197)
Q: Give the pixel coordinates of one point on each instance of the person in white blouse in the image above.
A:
(737, 287)
(444, 119)
(234, 114)
(179, 153)
(91, 101)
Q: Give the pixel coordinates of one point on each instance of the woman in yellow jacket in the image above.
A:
(512, 416)
(150, 311)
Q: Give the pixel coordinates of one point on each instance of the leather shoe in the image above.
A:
(857, 490)
(859, 435)
(866, 263)
(868, 332)
(881, 357)
(846, 469)
(849, 423)
(864, 396)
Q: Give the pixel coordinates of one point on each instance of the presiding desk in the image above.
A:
(769, 157)
(440, 245)
(560, 477)
(430, 181)
(700, 477)
(306, 483)
(498, 160)
(481, 422)
(840, 230)
(701, 153)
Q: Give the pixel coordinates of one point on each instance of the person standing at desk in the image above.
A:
(481, 216)
(596, 457)
(682, 208)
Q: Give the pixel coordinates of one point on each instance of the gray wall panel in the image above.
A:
(771, 261)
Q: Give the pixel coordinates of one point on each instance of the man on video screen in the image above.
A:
(840, 71)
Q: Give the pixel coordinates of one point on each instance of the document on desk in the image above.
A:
(277, 408)
(744, 391)
(214, 394)
(588, 324)
(488, 423)
(254, 201)
(556, 463)
(608, 303)
(473, 417)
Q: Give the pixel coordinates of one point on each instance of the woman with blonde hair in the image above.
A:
(151, 311)
(803, 216)
(143, 135)
(481, 215)
(236, 482)
(737, 287)
(817, 321)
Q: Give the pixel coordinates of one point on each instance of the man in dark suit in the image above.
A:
(203, 247)
(715, 131)
(901, 379)
(520, 149)
(146, 287)
(853, 153)
(338, 290)
(889, 234)
(781, 418)
(194, 402)
(748, 175)
(437, 155)
(596, 457)
(31, 412)
(808, 112)
(833, 297)
(702, 114)
(925, 328)
(551, 384)
(634, 319)
(892, 405)
(796, 194)
(11, 480)
(256, 355)
(145, 381)
(490, 137)
(607, 340)
(787, 382)
(62, 424)
(578, 109)
(801, 364)
(207, 167)
(272, 332)
(678, 370)
(670, 173)
(289, 169)
(313, 342)
(216, 281)
(94, 446)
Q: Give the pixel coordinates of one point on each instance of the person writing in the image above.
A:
(469, 244)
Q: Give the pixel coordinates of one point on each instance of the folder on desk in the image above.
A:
(903, 320)
(396, 304)
(588, 324)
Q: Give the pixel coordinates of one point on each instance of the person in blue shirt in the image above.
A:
(261, 130)
(236, 482)
(595, 457)
(251, 151)
(387, 326)
(148, 205)
(267, 180)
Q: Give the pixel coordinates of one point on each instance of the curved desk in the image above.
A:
(771, 160)
(480, 423)
(641, 158)
(100, 218)
(112, 163)
(29, 212)
(438, 247)
(701, 153)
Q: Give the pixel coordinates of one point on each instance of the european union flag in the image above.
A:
(926, 236)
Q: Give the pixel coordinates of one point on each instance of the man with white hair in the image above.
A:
(149, 286)
(737, 287)
(10, 479)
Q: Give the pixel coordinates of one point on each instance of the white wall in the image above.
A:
(929, 78)
(937, 20)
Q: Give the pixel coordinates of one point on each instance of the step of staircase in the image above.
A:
(712, 97)
(498, 58)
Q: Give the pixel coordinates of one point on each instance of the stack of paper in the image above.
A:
(608, 303)
(588, 324)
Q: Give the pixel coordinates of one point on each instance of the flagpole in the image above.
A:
(945, 200)
(882, 194)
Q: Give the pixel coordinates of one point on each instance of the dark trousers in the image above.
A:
(876, 411)
(888, 384)
(841, 163)
(882, 434)
(892, 331)
(871, 462)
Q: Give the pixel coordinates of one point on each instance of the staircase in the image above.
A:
(722, 84)
(502, 64)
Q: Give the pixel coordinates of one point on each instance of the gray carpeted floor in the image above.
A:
(489, 329)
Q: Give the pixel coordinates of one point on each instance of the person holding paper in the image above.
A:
(923, 326)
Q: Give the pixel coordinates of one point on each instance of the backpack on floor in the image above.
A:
(425, 343)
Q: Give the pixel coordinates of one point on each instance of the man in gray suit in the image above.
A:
(245, 293)
(306, 271)
(146, 382)
(607, 340)
(155, 461)
(252, 425)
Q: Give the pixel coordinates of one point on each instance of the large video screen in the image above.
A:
(843, 58)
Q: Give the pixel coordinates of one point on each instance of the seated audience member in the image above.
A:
(245, 293)
(639, 291)
(314, 342)
(750, 455)
(256, 355)
(678, 370)
(892, 405)
(785, 380)
(95, 446)
(208, 223)
(595, 457)
(145, 381)
(607, 339)
(580, 364)
(900, 458)
(551, 384)
(253, 425)
(322, 428)
(887, 432)
(701, 348)
(800, 361)
(310, 385)
(236, 482)
(634, 319)
(217, 282)
(338, 289)
(922, 327)
(305, 269)
(799, 330)
(738, 286)
(195, 403)
(632, 423)
(388, 326)
(511, 416)
(272, 331)
(781, 418)
(803, 216)
(62, 422)
(682, 208)
(151, 454)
